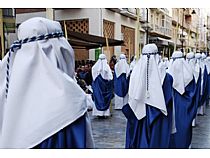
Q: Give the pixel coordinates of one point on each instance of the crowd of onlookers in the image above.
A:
(83, 69)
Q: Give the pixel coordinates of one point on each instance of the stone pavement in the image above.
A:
(201, 133)
(110, 133)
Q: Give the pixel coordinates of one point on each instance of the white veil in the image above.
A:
(43, 97)
(138, 97)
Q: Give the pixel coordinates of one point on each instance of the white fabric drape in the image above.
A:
(137, 88)
(122, 66)
(43, 97)
(181, 72)
(102, 68)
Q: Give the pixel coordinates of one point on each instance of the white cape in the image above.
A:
(42, 97)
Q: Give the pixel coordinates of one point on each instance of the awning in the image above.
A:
(87, 41)
(161, 41)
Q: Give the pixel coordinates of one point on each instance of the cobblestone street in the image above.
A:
(110, 133)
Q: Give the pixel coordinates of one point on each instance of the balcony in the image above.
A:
(129, 12)
(161, 30)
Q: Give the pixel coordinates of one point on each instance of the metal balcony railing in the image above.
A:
(162, 30)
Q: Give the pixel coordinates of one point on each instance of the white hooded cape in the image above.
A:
(102, 68)
(43, 97)
(137, 88)
(181, 72)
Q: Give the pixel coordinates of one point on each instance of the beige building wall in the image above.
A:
(187, 25)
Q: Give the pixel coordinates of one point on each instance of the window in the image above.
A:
(157, 19)
(163, 21)
(8, 12)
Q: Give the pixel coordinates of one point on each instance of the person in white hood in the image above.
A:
(191, 59)
(121, 82)
(183, 99)
(204, 84)
(41, 104)
(102, 87)
(149, 109)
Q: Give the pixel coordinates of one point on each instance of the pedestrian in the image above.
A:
(112, 63)
(149, 109)
(121, 82)
(44, 107)
(88, 76)
(183, 99)
(102, 87)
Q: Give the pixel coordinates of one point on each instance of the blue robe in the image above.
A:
(197, 96)
(209, 85)
(161, 124)
(185, 112)
(72, 136)
(204, 96)
(121, 85)
(153, 131)
(102, 93)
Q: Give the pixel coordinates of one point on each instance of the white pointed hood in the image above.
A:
(139, 93)
(122, 66)
(102, 68)
(43, 97)
(181, 72)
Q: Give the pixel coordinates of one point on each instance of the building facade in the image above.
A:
(115, 23)
(161, 29)
(169, 28)
(190, 29)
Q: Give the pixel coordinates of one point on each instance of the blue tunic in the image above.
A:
(102, 93)
(197, 97)
(153, 131)
(121, 85)
(204, 96)
(185, 112)
(209, 85)
(72, 136)
(161, 125)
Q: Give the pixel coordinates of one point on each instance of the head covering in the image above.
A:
(122, 66)
(162, 70)
(165, 60)
(145, 84)
(203, 61)
(102, 68)
(181, 72)
(42, 96)
(133, 63)
(190, 58)
(208, 64)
